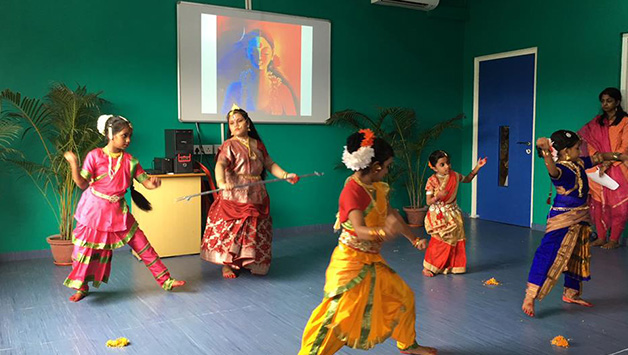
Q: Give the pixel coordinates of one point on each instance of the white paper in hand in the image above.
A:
(603, 180)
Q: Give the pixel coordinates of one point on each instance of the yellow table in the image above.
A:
(173, 228)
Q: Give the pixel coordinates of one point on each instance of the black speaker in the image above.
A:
(163, 165)
(179, 147)
(178, 141)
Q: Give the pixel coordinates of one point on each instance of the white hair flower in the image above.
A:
(553, 150)
(101, 124)
(358, 160)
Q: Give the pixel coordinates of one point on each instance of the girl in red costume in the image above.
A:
(446, 250)
(239, 228)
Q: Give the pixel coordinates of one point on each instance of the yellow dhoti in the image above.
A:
(365, 303)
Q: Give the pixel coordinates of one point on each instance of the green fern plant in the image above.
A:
(63, 120)
(399, 127)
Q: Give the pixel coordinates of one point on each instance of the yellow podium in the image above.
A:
(173, 228)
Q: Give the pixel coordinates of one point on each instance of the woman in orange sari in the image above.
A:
(443, 222)
(608, 132)
(365, 301)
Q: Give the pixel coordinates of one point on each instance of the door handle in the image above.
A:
(525, 143)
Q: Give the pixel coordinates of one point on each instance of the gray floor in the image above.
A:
(266, 315)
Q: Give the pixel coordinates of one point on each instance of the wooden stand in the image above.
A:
(173, 228)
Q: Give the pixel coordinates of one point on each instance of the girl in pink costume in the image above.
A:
(103, 219)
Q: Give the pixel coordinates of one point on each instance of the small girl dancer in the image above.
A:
(365, 301)
(103, 219)
(565, 246)
(443, 222)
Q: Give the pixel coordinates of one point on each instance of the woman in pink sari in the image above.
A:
(103, 219)
(608, 132)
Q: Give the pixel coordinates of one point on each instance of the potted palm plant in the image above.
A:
(63, 120)
(399, 127)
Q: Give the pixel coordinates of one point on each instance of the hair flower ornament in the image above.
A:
(553, 150)
(102, 121)
(361, 158)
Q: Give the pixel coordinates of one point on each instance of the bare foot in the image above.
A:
(578, 301)
(79, 295)
(228, 273)
(528, 306)
(611, 245)
(421, 350)
(178, 283)
(598, 242)
(427, 273)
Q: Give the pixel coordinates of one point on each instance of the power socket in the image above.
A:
(208, 149)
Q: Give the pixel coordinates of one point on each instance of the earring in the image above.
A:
(378, 169)
(567, 156)
(249, 129)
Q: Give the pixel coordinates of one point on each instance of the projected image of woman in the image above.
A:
(261, 87)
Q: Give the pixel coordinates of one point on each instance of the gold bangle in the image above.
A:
(378, 233)
(416, 242)
(616, 156)
(546, 153)
(285, 175)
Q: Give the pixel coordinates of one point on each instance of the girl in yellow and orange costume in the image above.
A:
(365, 301)
(443, 222)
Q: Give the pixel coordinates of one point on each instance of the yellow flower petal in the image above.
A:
(118, 343)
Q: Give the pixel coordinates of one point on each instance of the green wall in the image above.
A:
(381, 56)
(579, 50)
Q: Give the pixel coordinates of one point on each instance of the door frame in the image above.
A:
(476, 109)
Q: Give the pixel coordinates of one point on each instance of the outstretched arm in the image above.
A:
(279, 173)
(80, 181)
(600, 158)
(474, 172)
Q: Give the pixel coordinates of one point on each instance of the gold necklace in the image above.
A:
(574, 167)
(247, 143)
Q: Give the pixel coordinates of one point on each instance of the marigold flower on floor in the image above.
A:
(118, 343)
(491, 282)
(560, 341)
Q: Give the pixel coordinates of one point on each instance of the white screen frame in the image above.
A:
(190, 72)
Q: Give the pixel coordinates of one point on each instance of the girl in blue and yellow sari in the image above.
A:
(365, 301)
(565, 246)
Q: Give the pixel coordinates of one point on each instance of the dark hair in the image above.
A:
(117, 124)
(436, 155)
(615, 94)
(561, 139)
(383, 150)
(252, 130)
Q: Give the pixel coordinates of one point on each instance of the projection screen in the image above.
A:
(276, 67)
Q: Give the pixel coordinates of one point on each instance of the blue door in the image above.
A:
(505, 125)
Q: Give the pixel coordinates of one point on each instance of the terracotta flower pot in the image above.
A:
(415, 216)
(61, 250)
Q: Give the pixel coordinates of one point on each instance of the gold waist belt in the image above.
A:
(250, 177)
(579, 208)
(354, 242)
(109, 198)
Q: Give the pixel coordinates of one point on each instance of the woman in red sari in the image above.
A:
(239, 227)
(443, 222)
(608, 132)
